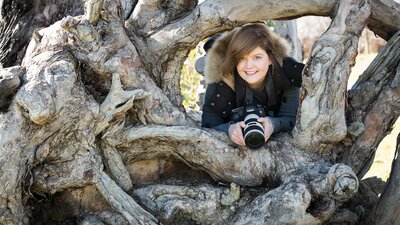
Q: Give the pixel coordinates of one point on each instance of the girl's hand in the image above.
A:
(268, 128)
(236, 133)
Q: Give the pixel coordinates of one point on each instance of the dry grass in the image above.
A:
(362, 62)
(385, 152)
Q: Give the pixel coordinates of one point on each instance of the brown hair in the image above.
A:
(245, 39)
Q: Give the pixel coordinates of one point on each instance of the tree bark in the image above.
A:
(384, 12)
(97, 92)
(20, 19)
(389, 201)
(373, 108)
(10, 79)
(321, 120)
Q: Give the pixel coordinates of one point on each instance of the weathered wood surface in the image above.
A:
(101, 90)
(19, 19)
(373, 108)
(389, 202)
(10, 79)
(321, 119)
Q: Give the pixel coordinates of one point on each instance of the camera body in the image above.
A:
(253, 132)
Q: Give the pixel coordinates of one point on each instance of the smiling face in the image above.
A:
(253, 67)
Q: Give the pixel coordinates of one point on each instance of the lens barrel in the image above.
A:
(253, 132)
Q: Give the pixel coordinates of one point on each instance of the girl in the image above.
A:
(245, 68)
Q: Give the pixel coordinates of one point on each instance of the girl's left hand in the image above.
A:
(268, 128)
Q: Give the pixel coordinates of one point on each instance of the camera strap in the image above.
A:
(249, 98)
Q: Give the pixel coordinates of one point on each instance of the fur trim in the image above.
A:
(214, 58)
(216, 55)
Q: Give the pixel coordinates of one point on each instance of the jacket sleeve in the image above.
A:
(215, 109)
(285, 118)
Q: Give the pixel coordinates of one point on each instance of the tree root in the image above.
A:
(9, 82)
(122, 202)
(308, 195)
(119, 173)
(223, 162)
(303, 198)
(117, 102)
(203, 204)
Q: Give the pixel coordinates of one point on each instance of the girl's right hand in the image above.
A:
(236, 132)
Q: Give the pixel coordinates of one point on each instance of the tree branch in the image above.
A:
(211, 17)
(117, 102)
(384, 20)
(151, 15)
(240, 165)
(92, 10)
(116, 167)
(373, 107)
(321, 117)
(122, 202)
(389, 201)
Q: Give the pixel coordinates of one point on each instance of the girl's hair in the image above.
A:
(245, 39)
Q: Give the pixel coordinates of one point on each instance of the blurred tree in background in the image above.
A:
(191, 81)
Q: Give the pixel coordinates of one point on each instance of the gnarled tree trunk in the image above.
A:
(98, 92)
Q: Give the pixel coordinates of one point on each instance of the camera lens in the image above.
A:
(253, 132)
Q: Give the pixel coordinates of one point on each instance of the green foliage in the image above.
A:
(190, 82)
(270, 23)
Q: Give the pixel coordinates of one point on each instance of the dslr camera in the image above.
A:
(253, 132)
